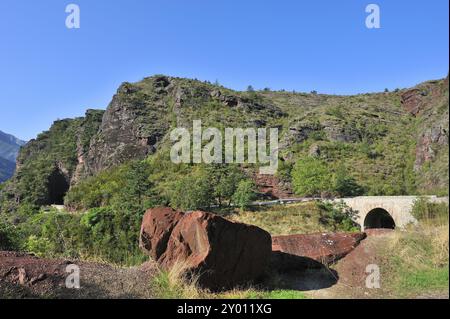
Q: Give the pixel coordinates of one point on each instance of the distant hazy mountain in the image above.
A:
(9, 149)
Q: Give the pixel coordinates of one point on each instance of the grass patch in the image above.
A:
(278, 294)
(254, 293)
(299, 218)
(175, 284)
(418, 261)
(425, 279)
(430, 213)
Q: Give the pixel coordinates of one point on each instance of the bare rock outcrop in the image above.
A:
(157, 226)
(321, 247)
(220, 252)
(272, 187)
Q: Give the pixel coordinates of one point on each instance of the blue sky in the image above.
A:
(48, 71)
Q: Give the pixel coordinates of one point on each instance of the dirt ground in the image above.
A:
(352, 274)
(25, 276)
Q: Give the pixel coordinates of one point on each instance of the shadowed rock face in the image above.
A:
(222, 253)
(122, 135)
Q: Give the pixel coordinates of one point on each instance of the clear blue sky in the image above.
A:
(48, 71)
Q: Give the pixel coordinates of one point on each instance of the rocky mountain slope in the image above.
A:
(393, 142)
(9, 149)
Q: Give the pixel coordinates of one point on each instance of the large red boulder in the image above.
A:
(222, 253)
(321, 247)
(157, 225)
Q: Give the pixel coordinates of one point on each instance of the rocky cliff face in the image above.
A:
(132, 126)
(140, 115)
(429, 103)
(49, 164)
(374, 134)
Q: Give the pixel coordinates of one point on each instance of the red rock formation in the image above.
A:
(222, 253)
(325, 248)
(423, 97)
(157, 225)
(412, 101)
(272, 187)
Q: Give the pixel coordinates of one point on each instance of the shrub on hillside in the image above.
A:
(9, 237)
(128, 185)
(339, 216)
(101, 233)
(311, 177)
(346, 185)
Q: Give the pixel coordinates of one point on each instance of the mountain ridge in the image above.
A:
(393, 142)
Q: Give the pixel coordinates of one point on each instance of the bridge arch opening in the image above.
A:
(379, 218)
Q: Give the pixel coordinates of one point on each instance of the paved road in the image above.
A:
(285, 201)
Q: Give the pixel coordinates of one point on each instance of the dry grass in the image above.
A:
(422, 245)
(175, 284)
(440, 245)
(300, 218)
(417, 260)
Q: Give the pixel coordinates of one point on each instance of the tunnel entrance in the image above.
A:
(58, 186)
(379, 218)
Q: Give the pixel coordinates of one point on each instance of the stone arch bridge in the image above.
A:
(386, 211)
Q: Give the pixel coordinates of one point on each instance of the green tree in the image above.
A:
(206, 185)
(244, 194)
(311, 177)
(224, 179)
(138, 187)
(193, 191)
(346, 185)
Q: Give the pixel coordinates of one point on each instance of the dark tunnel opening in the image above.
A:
(58, 186)
(379, 218)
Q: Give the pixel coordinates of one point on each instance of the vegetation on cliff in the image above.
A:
(109, 166)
